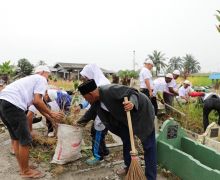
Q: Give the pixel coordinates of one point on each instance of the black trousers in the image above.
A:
(152, 99)
(168, 99)
(211, 103)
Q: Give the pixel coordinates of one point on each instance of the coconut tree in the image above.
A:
(158, 59)
(190, 65)
(6, 68)
(218, 18)
(175, 63)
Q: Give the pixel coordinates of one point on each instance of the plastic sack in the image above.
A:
(68, 145)
(196, 94)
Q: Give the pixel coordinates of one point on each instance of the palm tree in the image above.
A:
(218, 18)
(6, 68)
(190, 65)
(175, 63)
(158, 59)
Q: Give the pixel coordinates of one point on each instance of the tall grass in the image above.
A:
(198, 80)
(194, 117)
(64, 85)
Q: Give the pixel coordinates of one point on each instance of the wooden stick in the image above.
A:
(133, 149)
(171, 107)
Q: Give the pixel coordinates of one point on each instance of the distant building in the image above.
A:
(71, 71)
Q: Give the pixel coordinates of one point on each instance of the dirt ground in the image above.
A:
(77, 170)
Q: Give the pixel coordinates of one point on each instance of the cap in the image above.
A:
(177, 72)
(41, 68)
(52, 93)
(169, 75)
(187, 82)
(87, 87)
(148, 61)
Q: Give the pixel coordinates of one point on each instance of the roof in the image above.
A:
(214, 76)
(107, 71)
(69, 65)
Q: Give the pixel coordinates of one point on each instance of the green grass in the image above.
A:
(194, 117)
(198, 80)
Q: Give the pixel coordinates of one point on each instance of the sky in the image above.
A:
(107, 32)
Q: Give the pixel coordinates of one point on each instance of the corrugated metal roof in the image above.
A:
(69, 65)
(214, 76)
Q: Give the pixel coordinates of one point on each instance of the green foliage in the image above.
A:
(6, 68)
(159, 60)
(25, 66)
(128, 74)
(75, 84)
(175, 63)
(190, 64)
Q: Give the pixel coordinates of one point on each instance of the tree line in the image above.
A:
(187, 65)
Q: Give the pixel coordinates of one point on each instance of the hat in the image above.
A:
(41, 68)
(52, 93)
(177, 72)
(148, 61)
(187, 82)
(87, 87)
(169, 75)
(2, 82)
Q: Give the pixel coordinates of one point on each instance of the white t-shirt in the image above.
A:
(160, 85)
(21, 92)
(53, 105)
(145, 74)
(173, 84)
(183, 92)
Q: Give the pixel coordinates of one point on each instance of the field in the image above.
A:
(198, 80)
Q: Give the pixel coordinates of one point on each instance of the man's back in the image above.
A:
(20, 92)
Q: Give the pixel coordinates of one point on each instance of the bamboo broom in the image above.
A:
(135, 171)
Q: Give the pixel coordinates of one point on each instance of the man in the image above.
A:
(108, 103)
(172, 90)
(211, 102)
(145, 77)
(14, 101)
(2, 82)
(56, 100)
(184, 92)
(146, 81)
(161, 85)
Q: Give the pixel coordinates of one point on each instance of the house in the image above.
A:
(71, 71)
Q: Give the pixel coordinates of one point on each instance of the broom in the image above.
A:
(135, 171)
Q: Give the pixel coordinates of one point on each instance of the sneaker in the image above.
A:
(93, 161)
(51, 134)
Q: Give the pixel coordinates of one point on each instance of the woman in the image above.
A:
(98, 130)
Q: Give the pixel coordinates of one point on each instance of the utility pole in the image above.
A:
(134, 60)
